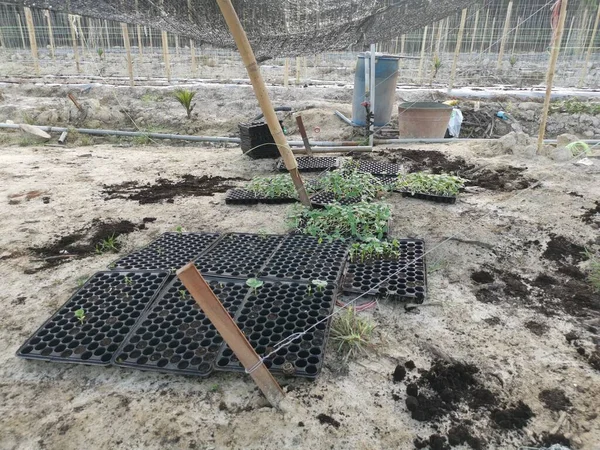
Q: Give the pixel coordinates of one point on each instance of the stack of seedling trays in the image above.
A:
(312, 163)
(144, 318)
(257, 141)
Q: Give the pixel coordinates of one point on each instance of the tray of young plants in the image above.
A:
(346, 187)
(275, 310)
(238, 255)
(388, 269)
(441, 188)
(271, 189)
(175, 336)
(89, 327)
(169, 252)
(312, 163)
(374, 167)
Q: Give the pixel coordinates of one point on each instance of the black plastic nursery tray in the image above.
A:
(257, 140)
(112, 303)
(429, 197)
(245, 197)
(238, 255)
(274, 312)
(174, 336)
(377, 168)
(303, 258)
(386, 180)
(322, 199)
(170, 251)
(312, 163)
(407, 275)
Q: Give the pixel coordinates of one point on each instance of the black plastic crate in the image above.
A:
(238, 255)
(303, 258)
(274, 312)
(257, 140)
(175, 336)
(245, 197)
(312, 163)
(376, 167)
(322, 199)
(112, 303)
(407, 273)
(170, 251)
(432, 198)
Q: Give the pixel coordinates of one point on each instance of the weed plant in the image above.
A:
(350, 333)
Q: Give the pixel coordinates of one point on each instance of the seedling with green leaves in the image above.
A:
(80, 315)
(349, 183)
(278, 186)
(373, 248)
(427, 183)
(182, 294)
(320, 284)
(254, 283)
(128, 281)
(578, 148)
(179, 229)
(109, 244)
(351, 333)
(186, 97)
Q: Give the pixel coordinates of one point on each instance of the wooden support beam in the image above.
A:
(504, 36)
(474, 30)
(32, 40)
(229, 331)
(589, 50)
(302, 131)
(50, 33)
(551, 71)
(125, 31)
(262, 95)
(73, 28)
(166, 58)
(461, 31)
(422, 59)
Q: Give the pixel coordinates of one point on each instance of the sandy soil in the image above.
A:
(55, 406)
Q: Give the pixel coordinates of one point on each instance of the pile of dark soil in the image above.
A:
(164, 190)
(539, 329)
(592, 215)
(514, 417)
(563, 251)
(554, 399)
(328, 420)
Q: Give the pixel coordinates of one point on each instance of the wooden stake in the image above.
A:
(50, 33)
(139, 39)
(21, 30)
(286, 72)
(474, 31)
(489, 50)
(297, 70)
(262, 95)
(516, 34)
(504, 34)
(166, 59)
(107, 34)
(177, 46)
(589, 50)
(32, 40)
(485, 28)
(582, 35)
(229, 331)
(302, 131)
(461, 31)
(193, 55)
(125, 31)
(551, 70)
(439, 37)
(72, 26)
(423, 44)
(2, 43)
(81, 35)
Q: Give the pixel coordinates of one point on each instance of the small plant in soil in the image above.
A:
(373, 248)
(437, 65)
(100, 52)
(273, 187)
(179, 229)
(320, 285)
(254, 284)
(128, 281)
(182, 294)
(513, 61)
(186, 97)
(351, 333)
(80, 315)
(425, 183)
(107, 245)
(594, 270)
(350, 183)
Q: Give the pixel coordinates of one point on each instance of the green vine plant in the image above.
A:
(186, 97)
(373, 248)
(426, 183)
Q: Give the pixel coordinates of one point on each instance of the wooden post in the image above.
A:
(489, 50)
(297, 70)
(166, 59)
(516, 34)
(582, 35)
(50, 33)
(2, 43)
(439, 37)
(107, 34)
(568, 41)
(21, 30)
(72, 25)
(485, 28)
(474, 30)
(423, 44)
(262, 95)
(177, 53)
(32, 40)
(461, 31)
(551, 69)
(230, 332)
(446, 33)
(302, 131)
(81, 35)
(139, 39)
(504, 35)
(589, 50)
(286, 72)
(193, 56)
(127, 43)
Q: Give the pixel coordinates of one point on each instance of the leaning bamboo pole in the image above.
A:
(262, 95)
(50, 34)
(423, 45)
(461, 31)
(590, 49)
(32, 40)
(504, 36)
(127, 42)
(485, 28)
(551, 71)
(474, 31)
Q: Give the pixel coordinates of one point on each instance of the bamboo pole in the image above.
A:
(590, 49)
(177, 52)
(138, 32)
(2, 43)
(551, 70)
(297, 70)
(581, 37)
(446, 33)
(568, 41)
(439, 37)
(302, 131)
(21, 30)
(262, 95)
(516, 34)
(212, 307)
(165, 51)
(125, 31)
(286, 72)
(107, 34)
(72, 27)
(32, 40)
(461, 30)
(485, 28)
(80, 33)
(50, 33)
(489, 50)
(474, 31)
(504, 36)
(424, 43)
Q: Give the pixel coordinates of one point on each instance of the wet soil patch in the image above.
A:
(563, 251)
(537, 328)
(548, 440)
(554, 399)
(514, 417)
(328, 420)
(462, 435)
(164, 190)
(592, 215)
(482, 277)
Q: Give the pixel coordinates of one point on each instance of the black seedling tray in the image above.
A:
(408, 274)
(432, 198)
(302, 258)
(274, 312)
(312, 163)
(170, 251)
(257, 141)
(175, 336)
(245, 197)
(321, 199)
(112, 302)
(377, 168)
(238, 255)
(386, 180)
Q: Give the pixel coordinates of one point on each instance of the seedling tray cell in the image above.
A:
(175, 336)
(170, 251)
(274, 312)
(429, 197)
(238, 255)
(112, 303)
(312, 163)
(303, 258)
(407, 273)
(321, 199)
(377, 168)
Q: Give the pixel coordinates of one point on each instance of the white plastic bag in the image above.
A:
(456, 121)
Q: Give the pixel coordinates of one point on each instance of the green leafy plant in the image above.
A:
(182, 294)
(349, 183)
(186, 97)
(373, 248)
(179, 229)
(578, 147)
(437, 65)
(320, 284)
(254, 284)
(274, 187)
(350, 333)
(100, 52)
(80, 315)
(574, 106)
(425, 183)
(594, 270)
(513, 61)
(109, 244)
(128, 281)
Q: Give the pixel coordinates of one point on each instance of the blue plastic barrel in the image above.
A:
(386, 75)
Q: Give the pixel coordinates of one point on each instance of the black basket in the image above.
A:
(257, 141)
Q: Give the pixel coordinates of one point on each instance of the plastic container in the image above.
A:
(386, 75)
(423, 120)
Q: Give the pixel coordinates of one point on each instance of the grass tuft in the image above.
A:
(351, 334)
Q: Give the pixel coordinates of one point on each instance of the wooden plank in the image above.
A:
(126, 41)
(32, 40)
(302, 131)
(229, 331)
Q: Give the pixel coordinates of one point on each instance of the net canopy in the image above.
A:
(275, 27)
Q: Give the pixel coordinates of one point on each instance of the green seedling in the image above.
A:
(309, 290)
(214, 388)
(186, 97)
(320, 284)
(349, 183)
(109, 244)
(513, 61)
(437, 65)
(179, 229)
(182, 294)
(128, 281)
(426, 183)
(274, 187)
(254, 283)
(80, 315)
(100, 52)
(81, 281)
(373, 248)
(351, 333)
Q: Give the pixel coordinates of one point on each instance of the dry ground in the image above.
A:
(56, 406)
